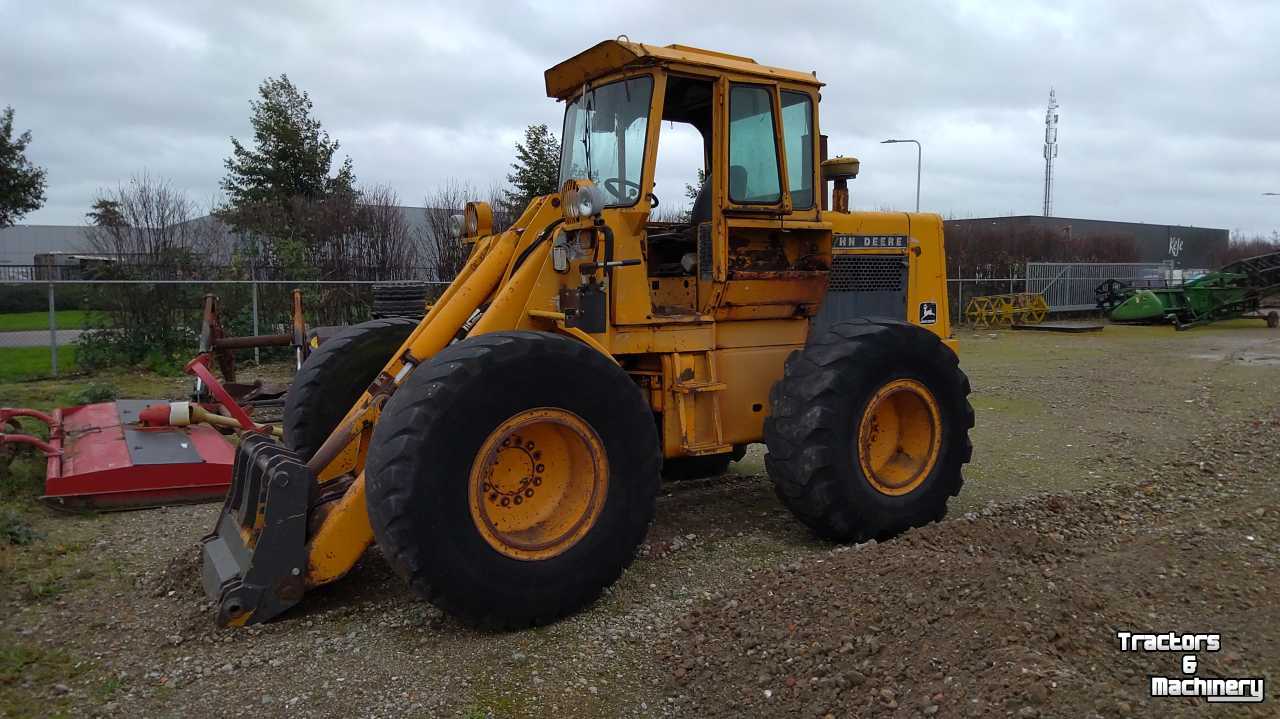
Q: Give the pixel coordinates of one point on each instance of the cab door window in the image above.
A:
(797, 141)
(753, 151)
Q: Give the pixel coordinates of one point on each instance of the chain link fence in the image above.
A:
(1071, 286)
(45, 311)
(45, 322)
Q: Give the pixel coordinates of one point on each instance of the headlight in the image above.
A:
(581, 200)
(589, 201)
(455, 226)
(477, 219)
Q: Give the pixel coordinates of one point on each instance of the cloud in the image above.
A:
(1168, 110)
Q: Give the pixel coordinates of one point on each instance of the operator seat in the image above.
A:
(738, 182)
(701, 210)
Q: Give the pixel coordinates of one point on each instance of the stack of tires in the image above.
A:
(401, 299)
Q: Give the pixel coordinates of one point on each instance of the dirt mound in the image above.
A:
(180, 577)
(1011, 611)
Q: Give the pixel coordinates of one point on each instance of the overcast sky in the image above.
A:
(1169, 109)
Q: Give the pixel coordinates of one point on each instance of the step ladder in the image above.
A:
(696, 392)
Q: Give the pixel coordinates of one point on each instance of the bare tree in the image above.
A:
(383, 241)
(148, 222)
(1242, 246)
(445, 253)
(152, 231)
(503, 217)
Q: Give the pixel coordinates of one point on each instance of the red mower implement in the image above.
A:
(102, 457)
(135, 453)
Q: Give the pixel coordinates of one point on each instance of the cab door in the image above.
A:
(766, 252)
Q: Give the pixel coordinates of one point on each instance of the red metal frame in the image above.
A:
(200, 368)
(8, 414)
(91, 465)
(88, 463)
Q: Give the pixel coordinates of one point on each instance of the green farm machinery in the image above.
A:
(1236, 290)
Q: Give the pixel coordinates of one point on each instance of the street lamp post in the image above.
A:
(918, 154)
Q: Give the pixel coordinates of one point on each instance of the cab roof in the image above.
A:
(566, 78)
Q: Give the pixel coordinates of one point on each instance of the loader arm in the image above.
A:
(278, 536)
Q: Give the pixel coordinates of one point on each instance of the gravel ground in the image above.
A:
(1117, 480)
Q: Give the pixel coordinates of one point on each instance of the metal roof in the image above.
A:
(20, 244)
(566, 78)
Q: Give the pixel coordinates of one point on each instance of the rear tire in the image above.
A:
(333, 378)
(824, 420)
(434, 479)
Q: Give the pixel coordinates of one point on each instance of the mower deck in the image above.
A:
(105, 460)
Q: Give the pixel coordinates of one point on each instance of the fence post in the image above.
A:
(53, 333)
(257, 359)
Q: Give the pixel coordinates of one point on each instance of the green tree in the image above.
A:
(106, 213)
(281, 188)
(537, 168)
(21, 183)
(292, 155)
(692, 192)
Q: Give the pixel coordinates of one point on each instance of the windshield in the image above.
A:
(604, 135)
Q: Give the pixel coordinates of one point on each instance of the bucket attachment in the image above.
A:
(255, 561)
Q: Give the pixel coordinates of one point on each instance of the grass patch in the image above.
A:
(27, 674)
(48, 568)
(1010, 406)
(23, 363)
(21, 478)
(64, 391)
(14, 527)
(66, 319)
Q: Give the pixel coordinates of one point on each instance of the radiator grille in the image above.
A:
(866, 273)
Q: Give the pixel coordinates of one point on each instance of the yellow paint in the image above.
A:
(341, 538)
(899, 437)
(538, 484)
(611, 56)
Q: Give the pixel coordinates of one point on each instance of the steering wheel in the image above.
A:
(616, 186)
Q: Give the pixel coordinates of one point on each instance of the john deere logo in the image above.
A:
(928, 313)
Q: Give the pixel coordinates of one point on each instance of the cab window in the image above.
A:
(604, 137)
(753, 152)
(797, 141)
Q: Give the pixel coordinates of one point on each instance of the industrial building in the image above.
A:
(1182, 246)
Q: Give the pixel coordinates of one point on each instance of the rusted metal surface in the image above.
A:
(215, 342)
(200, 368)
(242, 343)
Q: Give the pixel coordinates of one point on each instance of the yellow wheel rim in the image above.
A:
(899, 437)
(538, 483)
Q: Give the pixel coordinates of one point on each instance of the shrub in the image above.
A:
(93, 393)
(14, 528)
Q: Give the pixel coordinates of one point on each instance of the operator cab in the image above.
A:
(740, 211)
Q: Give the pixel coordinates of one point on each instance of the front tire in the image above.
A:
(335, 376)
(868, 430)
(512, 477)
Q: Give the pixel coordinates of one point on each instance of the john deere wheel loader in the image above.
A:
(505, 452)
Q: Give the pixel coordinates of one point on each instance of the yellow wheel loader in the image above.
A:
(505, 452)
